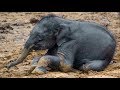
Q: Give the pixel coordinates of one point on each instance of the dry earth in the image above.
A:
(14, 31)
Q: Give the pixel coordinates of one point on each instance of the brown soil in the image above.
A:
(15, 29)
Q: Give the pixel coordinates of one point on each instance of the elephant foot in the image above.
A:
(40, 70)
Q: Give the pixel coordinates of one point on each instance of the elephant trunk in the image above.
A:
(23, 55)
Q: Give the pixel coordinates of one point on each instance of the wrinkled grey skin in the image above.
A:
(71, 44)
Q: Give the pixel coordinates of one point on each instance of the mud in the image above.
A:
(14, 31)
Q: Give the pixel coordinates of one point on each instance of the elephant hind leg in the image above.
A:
(95, 65)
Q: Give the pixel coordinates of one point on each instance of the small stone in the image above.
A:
(33, 20)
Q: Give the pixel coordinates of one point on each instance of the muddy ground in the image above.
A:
(14, 31)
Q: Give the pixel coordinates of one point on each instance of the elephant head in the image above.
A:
(46, 33)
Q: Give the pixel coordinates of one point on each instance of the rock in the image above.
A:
(33, 20)
(5, 28)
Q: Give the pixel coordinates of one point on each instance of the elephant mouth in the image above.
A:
(36, 48)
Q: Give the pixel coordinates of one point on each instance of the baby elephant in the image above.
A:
(71, 45)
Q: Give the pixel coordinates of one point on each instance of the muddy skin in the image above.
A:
(47, 63)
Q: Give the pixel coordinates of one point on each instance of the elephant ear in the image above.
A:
(63, 34)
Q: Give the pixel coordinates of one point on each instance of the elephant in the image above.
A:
(71, 44)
